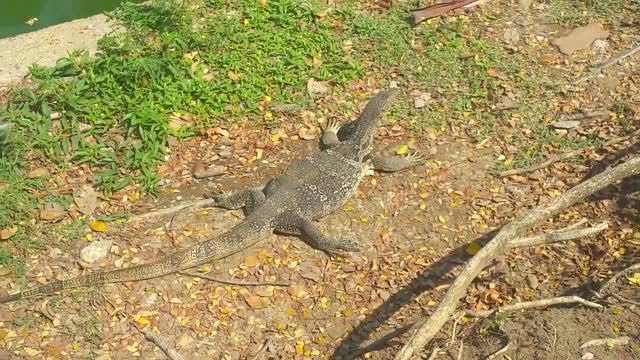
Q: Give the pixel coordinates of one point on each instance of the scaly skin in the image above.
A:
(306, 190)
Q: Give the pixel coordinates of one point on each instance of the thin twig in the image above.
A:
(559, 235)
(533, 304)
(419, 339)
(262, 349)
(614, 60)
(434, 354)
(173, 209)
(235, 282)
(460, 350)
(500, 352)
(555, 158)
(625, 300)
(606, 341)
(615, 277)
(171, 353)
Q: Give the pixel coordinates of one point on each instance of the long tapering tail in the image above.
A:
(238, 238)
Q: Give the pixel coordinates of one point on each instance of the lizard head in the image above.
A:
(369, 120)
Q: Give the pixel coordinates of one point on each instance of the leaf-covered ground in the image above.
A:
(211, 84)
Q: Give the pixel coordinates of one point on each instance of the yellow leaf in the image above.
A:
(617, 311)
(31, 21)
(3, 334)
(472, 249)
(635, 279)
(98, 226)
(402, 149)
(348, 208)
(442, 219)
(143, 320)
(267, 98)
(508, 162)
(299, 348)
(76, 347)
(89, 236)
(364, 220)
(251, 261)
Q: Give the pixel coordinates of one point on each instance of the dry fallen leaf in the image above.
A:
(8, 232)
(98, 226)
(257, 302)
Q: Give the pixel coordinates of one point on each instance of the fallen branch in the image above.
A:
(606, 341)
(431, 11)
(173, 209)
(614, 60)
(625, 300)
(533, 304)
(565, 234)
(555, 158)
(235, 282)
(171, 353)
(615, 277)
(497, 246)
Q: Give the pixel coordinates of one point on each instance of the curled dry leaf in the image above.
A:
(8, 232)
(306, 134)
(52, 212)
(257, 302)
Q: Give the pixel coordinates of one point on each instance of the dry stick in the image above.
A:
(614, 60)
(625, 300)
(533, 304)
(171, 353)
(235, 282)
(606, 341)
(615, 277)
(497, 246)
(173, 209)
(559, 235)
(262, 349)
(567, 155)
(556, 236)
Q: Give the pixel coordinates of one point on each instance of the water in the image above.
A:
(14, 13)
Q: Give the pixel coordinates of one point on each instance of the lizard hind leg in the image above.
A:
(396, 163)
(294, 224)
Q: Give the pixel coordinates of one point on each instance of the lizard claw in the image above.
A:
(332, 126)
(416, 158)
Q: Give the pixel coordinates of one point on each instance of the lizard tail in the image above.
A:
(240, 237)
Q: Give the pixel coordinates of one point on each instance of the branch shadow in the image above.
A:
(350, 347)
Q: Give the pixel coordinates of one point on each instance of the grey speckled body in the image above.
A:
(306, 190)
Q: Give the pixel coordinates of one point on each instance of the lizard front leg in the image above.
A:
(248, 199)
(396, 163)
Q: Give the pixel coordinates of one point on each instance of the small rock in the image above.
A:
(567, 124)
(95, 251)
(55, 252)
(588, 356)
(393, 84)
(317, 89)
(532, 280)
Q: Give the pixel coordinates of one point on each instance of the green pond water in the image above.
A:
(15, 13)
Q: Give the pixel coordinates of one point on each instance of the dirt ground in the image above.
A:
(418, 224)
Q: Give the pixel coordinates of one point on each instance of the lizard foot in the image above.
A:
(340, 247)
(332, 126)
(416, 158)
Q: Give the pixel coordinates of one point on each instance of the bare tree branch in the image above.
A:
(555, 158)
(606, 341)
(497, 246)
(615, 277)
(171, 353)
(614, 60)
